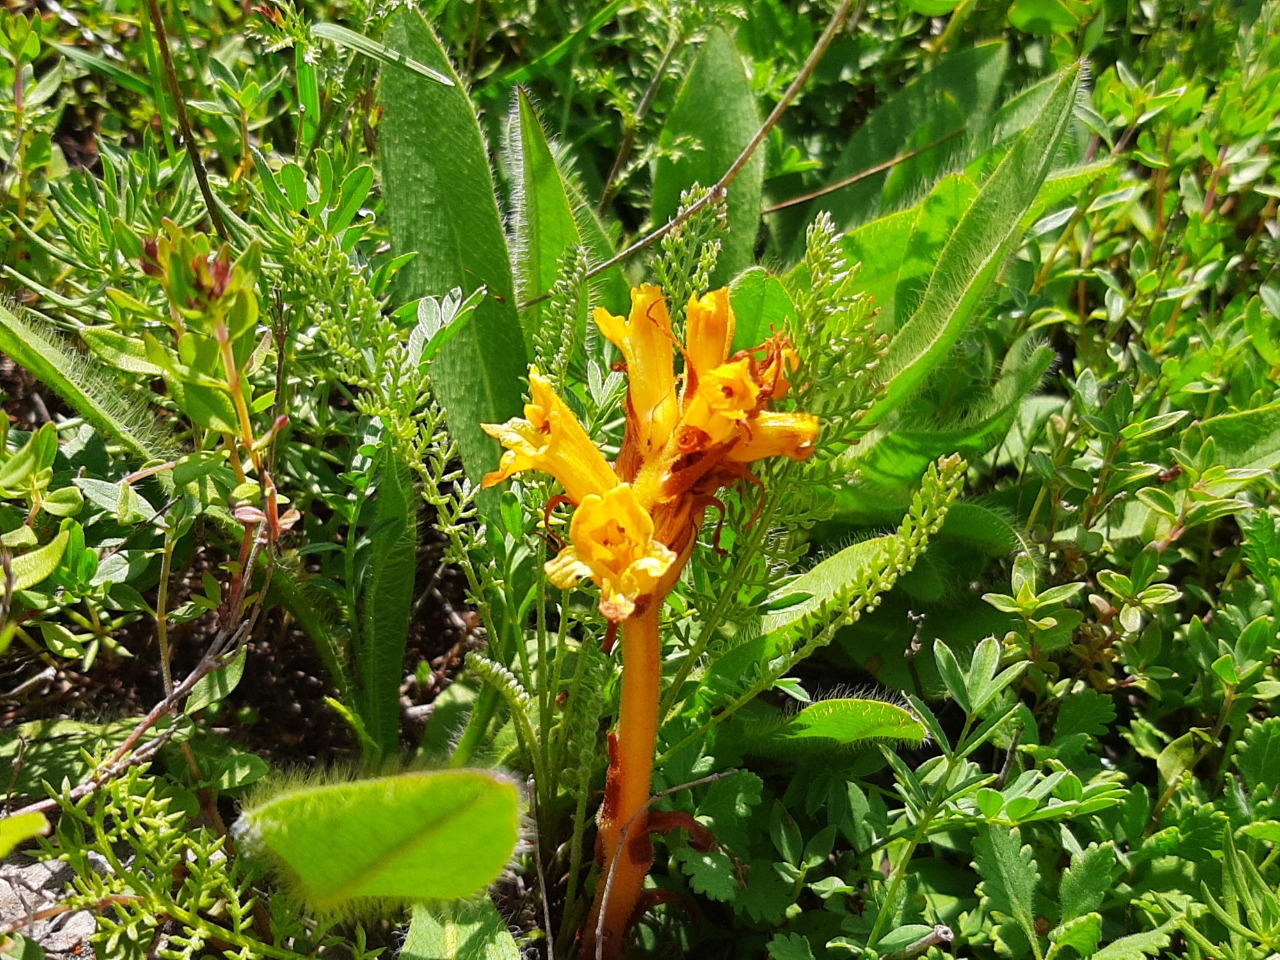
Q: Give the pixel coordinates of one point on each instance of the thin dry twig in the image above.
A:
(188, 138)
(231, 636)
(863, 174)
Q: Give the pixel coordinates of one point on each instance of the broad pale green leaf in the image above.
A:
(1247, 440)
(760, 304)
(19, 829)
(470, 930)
(436, 835)
(440, 203)
(1009, 875)
(386, 603)
(716, 114)
(976, 250)
(832, 724)
(38, 565)
(956, 95)
(878, 248)
(941, 211)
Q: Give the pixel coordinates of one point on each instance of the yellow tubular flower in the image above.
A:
(645, 340)
(611, 541)
(710, 331)
(773, 434)
(549, 438)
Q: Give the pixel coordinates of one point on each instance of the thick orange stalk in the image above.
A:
(623, 866)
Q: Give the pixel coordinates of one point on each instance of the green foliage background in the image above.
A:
(1027, 252)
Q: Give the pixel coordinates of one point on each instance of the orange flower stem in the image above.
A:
(626, 859)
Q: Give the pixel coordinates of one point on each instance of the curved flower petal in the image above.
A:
(709, 332)
(550, 438)
(773, 434)
(565, 569)
(613, 543)
(645, 340)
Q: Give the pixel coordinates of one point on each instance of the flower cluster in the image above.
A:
(686, 436)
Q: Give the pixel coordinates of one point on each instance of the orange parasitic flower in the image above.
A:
(637, 520)
(685, 438)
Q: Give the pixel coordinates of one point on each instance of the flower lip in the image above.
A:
(550, 438)
(612, 542)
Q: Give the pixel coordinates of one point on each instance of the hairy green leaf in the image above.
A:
(470, 930)
(983, 238)
(386, 602)
(1009, 875)
(1087, 881)
(830, 725)
(422, 836)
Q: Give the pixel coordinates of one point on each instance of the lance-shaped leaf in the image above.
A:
(982, 240)
(440, 204)
(549, 218)
(386, 603)
(437, 835)
(82, 382)
(713, 120)
(38, 565)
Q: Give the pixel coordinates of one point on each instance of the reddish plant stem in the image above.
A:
(624, 845)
